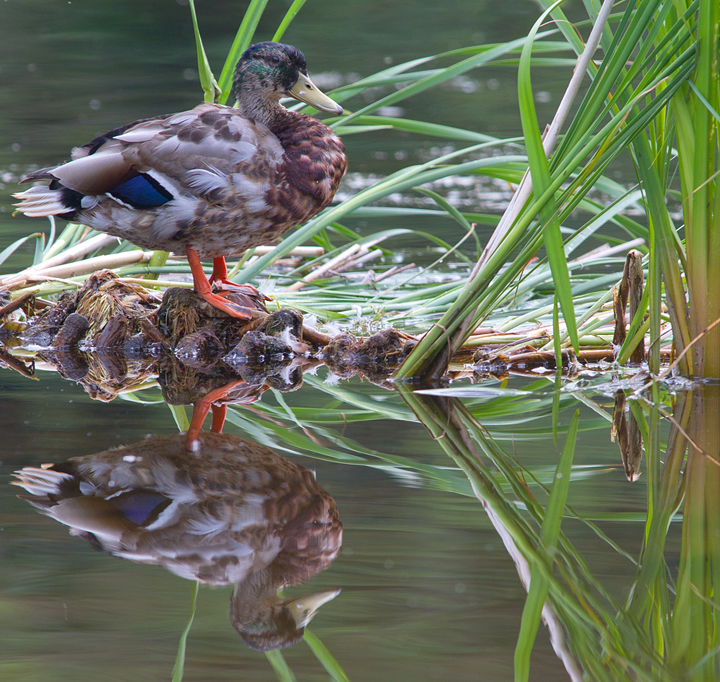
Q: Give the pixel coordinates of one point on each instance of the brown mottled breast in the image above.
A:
(292, 175)
(313, 165)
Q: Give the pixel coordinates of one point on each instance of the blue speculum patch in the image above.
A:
(139, 506)
(142, 191)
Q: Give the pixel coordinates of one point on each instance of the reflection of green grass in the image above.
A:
(578, 609)
(655, 635)
(325, 657)
(179, 667)
(280, 666)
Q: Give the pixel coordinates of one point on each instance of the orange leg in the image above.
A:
(219, 273)
(220, 276)
(203, 288)
(218, 420)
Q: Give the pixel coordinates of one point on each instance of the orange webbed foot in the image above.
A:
(241, 309)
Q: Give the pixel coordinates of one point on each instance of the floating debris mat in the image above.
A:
(112, 336)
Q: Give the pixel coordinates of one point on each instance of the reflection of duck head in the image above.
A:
(232, 512)
(265, 621)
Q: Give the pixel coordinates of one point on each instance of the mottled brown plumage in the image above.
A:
(234, 512)
(212, 181)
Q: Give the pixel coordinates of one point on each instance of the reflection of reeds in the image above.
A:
(446, 420)
(626, 431)
(179, 667)
(574, 599)
(683, 627)
(655, 636)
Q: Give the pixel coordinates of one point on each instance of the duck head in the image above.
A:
(268, 71)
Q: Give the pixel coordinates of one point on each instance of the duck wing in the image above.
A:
(150, 162)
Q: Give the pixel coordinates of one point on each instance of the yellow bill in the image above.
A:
(305, 91)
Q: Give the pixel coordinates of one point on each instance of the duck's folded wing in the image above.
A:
(99, 165)
(210, 138)
(211, 152)
(95, 174)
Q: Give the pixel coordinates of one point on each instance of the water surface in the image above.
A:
(428, 590)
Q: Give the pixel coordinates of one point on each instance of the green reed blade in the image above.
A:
(337, 674)
(287, 19)
(540, 172)
(242, 41)
(8, 251)
(461, 67)
(207, 80)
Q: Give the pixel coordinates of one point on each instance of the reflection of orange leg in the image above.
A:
(202, 407)
(200, 411)
(203, 288)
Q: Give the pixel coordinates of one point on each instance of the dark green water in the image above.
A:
(428, 591)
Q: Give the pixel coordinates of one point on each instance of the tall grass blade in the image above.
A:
(558, 369)
(179, 667)
(287, 19)
(337, 674)
(486, 56)
(540, 172)
(539, 587)
(207, 80)
(242, 41)
(10, 250)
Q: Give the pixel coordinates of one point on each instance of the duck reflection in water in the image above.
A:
(230, 512)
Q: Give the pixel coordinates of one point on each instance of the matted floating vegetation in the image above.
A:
(108, 326)
(112, 336)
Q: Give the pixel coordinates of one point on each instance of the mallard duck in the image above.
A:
(212, 181)
(236, 513)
